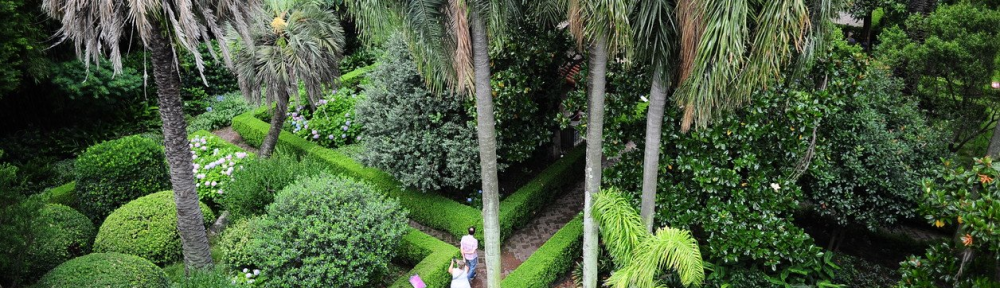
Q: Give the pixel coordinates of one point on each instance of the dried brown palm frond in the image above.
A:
(96, 27)
(462, 58)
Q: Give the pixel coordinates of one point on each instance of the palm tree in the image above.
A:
(302, 44)
(96, 29)
(449, 40)
(642, 256)
(716, 53)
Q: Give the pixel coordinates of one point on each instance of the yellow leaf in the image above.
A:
(938, 223)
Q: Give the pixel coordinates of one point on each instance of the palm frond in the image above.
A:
(462, 57)
(655, 35)
(669, 249)
(620, 225)
(781, 28)
(610, 19)
(376, 19)
(720, 57)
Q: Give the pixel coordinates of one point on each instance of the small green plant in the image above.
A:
(253, 187)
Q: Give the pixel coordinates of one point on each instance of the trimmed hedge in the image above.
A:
(429, 209)
(114, 172)
(551, 261)
(146, 227)
(65, 195)
(106, 270)
(60, 233)
(430, 257)
(518, 209)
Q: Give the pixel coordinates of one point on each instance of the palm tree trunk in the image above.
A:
(277, 120)
(486, 132)
(595, 137)
(651, 161)
(189, 218)
(994, 149)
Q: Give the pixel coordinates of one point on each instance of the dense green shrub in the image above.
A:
(105, 270)
(146, 227)
(60, 233)
(328, 231)
(215, 278)
(254, 186)
(551, 261)
(424, 139)
(17, 214)
(65, 195)
(114, 172)
(215, 160)
(236, 244)
(79, 80)
(220, 112)
(873, 149)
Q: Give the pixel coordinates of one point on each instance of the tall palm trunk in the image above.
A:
(277, 120)
(651, 157)
(595, 137)
(486, 132)
(189, 218)
(994, 149)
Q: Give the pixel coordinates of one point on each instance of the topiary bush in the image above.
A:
(114, 172)
(236, 244)
(146, 227)
(424, 139)
(328, 231)
(254, 186)
(60, 233)
(105, 270)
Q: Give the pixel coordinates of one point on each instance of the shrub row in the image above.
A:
(519, 208)
(429, 209)
(551, 261)
(430, 258)
(65, 195)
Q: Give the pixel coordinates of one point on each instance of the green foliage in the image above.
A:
(858, 272)
(236, 244)
(22, 48)
(254, 186)
(60, 233)
(220, 112)
(17, 216)
(641, 256)
(430, 258)
(938, 267)
(328, 231)
(215, 161)
(944, 60)
(421, 138)
(873, 148)
(97, 81)
(105, 270)
(220, 79)
(331, 124)
(205, 279)
(114, 172)
(146, 227)
(550, 261)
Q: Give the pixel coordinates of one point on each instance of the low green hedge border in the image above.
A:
(551, 261)
(519, 208)
(64, 195)
(430, 258)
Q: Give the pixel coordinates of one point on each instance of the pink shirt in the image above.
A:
(469, 243)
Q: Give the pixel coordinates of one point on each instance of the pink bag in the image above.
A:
(417, 282)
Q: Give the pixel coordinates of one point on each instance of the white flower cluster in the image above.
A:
(247, 277)
(214, 167)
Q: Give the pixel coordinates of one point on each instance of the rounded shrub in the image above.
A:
(114, 172)
(105, 270)
(60, 234)
(146, 227)
(236, 244)
(328, 231)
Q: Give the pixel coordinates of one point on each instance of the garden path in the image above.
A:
(230, 135)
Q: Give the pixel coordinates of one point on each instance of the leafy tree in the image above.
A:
(21, 50)
(302, 44)
(952, 65)
(96, 29)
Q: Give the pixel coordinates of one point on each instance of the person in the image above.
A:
(850, 38)
(459, 274)
(469, 251)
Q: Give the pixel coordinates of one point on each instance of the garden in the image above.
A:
(299, 143)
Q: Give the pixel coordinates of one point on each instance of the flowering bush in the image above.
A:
(214, 164)
(332, 124)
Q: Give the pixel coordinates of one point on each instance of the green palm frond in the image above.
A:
(781, 28)
(610, 19)
(656, 36)
(376, 19)
(669, 249)
(621, 227)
